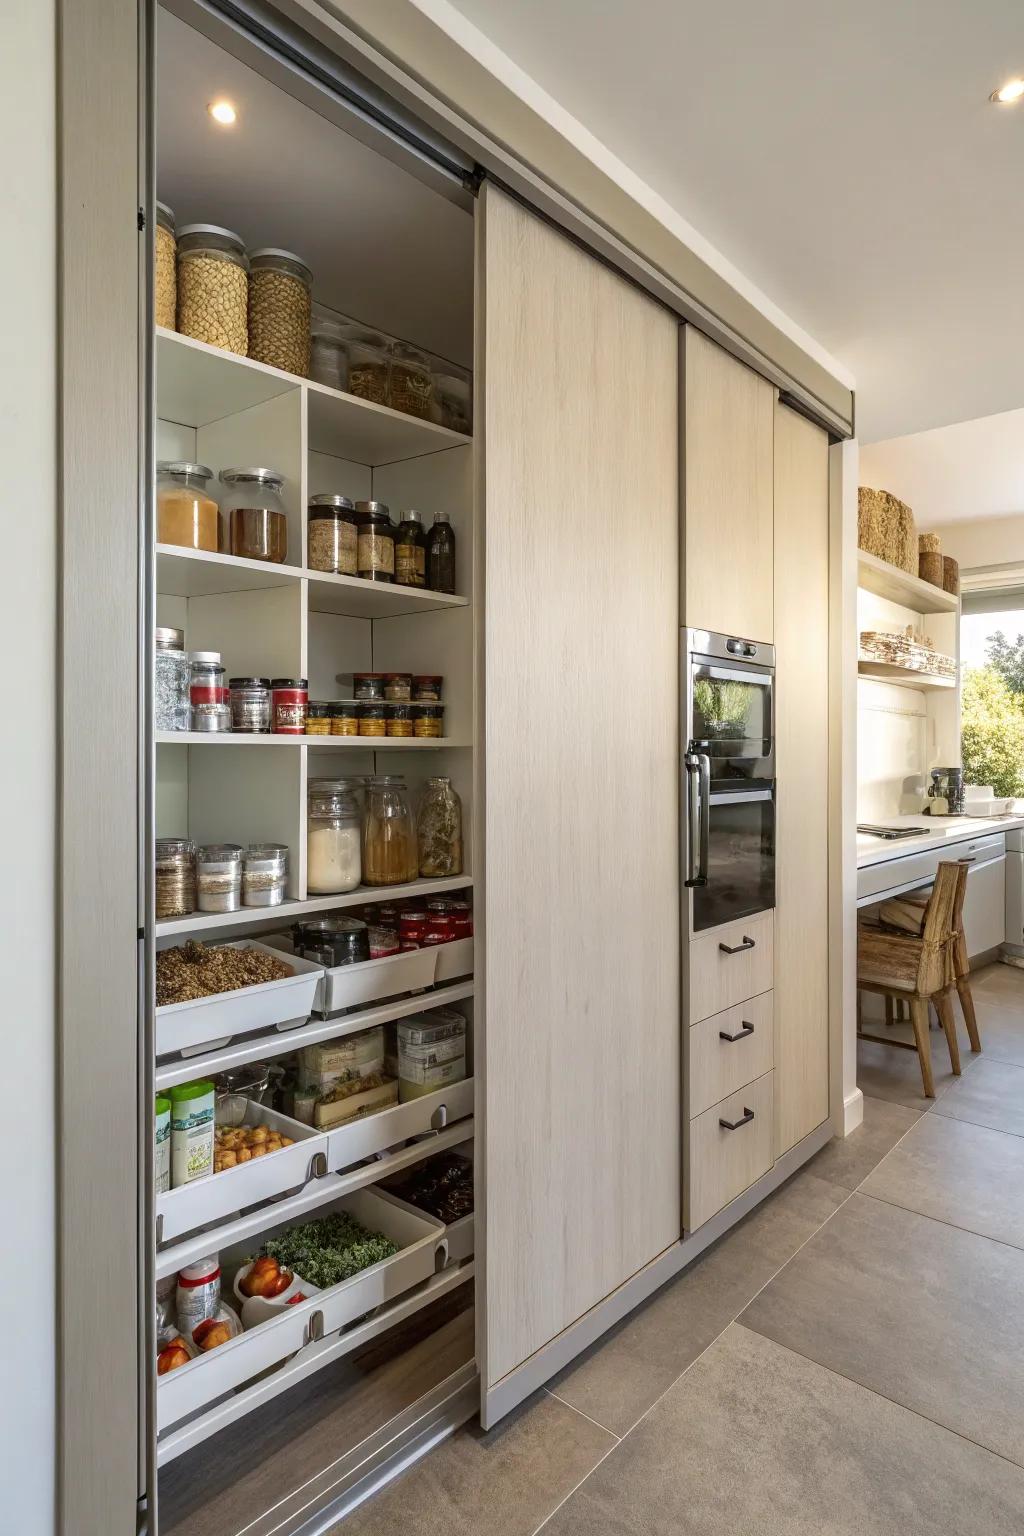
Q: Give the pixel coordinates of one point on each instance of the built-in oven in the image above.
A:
(728, 777)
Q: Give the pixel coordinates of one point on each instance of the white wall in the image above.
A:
(984, 540)
(28, 619)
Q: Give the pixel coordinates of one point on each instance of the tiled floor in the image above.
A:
(848, 1361)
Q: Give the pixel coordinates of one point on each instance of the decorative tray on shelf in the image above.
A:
(902, 650)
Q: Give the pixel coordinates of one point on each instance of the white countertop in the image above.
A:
(934, 834)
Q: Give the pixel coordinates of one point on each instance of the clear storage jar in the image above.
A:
(172, 678)
(175, 867)
(333, 535)
(412, 385)
(186, 513)
(254, 511)
(211, 710)
(389, 838)
(250, 704)
(280, 306)
(219, 877)
(333, 837)
(369, 367)
(165, 269)
(328, 360)
(213, 287)
(439, 830)
(264, 875)
(452, 405)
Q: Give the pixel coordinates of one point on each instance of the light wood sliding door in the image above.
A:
(582, 1049)
(801, 677)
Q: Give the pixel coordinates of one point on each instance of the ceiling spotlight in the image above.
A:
(224, 112)
(1012, 91)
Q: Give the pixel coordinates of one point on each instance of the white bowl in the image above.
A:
(258, 1309)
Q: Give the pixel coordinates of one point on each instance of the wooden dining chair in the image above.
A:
(906, 913)
(918, 968)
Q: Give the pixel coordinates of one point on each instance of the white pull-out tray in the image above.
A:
(459, 1234)
(344, 987)
(350, 1143)
(213, 1021)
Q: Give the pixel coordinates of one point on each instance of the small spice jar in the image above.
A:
(186, 513)
(369, 687)
(383, 942)
(412, 925)
(399, 721)
(175, 877)
(318, 719)
(412, 386)
(290, 702)
(208, 694)
(375, 548)
(250, 704)
(171, 682)
(333, 535)
(256, 518)
(398, 687)
(428, 720)
(373, 720)
(219, 877)
(427, 689)
(345, 719)
(458, 913)
(165, 269)
(213, 287)
(264, 875)
(368, 367)
(280, 306)
(332, 940)
(411, 551)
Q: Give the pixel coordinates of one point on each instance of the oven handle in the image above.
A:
(741, 799)
(698, 801)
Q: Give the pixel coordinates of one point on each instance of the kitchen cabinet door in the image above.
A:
(801, 744)
(581, 1031)
(727, 434)
(985, 906)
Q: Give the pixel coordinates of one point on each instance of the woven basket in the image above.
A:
(885, 527)
(929, 567)
(950, 574)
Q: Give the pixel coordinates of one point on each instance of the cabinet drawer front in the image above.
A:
(723, 1163)
(730, 964)
(720, 1066)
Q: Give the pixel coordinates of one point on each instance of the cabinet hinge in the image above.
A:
(142, 219)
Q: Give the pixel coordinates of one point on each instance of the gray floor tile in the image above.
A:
(629, 1369)
(991, 1094)
(1001, 1026)
(503, 1483)
(920, 1312)
(886, 1072)
(756, 1439)
(848, 1161)
(964, 1174)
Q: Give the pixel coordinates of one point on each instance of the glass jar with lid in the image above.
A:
(412, 384)
(328, 358)
(375, 547)
(165, 269)
(256, 518)
(389, 838)
(175, 877)
(452, 404)
(186, 513)
(411, 551)
(369, 366)
(219, 877)
(439, 830)
(280, 305)
(333, 837)
(172, 681)
(250, 704)
(213, 287)
(333, 534)
(208, 693)
(264, 875)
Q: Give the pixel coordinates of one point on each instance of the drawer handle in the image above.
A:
(741, 1034)
(734, 1125)
(735, 948)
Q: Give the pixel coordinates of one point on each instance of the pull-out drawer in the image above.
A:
(729, 1050)
(730, 964)
(730, 1148)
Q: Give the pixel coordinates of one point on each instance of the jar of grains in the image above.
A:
(426, 688)
(333, 837)
(412, 385)
(398, 687)
(439, 830)
(375, 549)
(186, 513)
(368, 367)
(318, 719)
(208, 693)
(175, 877)
(280, 302)
(264, 875)
(345, 719)
(219, 877)
(368, 687)
(428, 720)
(250, 704)
(290, 702)
(213, 287)
(171, 683)
(389, 837)
(255, 514)
(333, 535)
(165, 269)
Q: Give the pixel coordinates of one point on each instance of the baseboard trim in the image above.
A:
(853, 1111)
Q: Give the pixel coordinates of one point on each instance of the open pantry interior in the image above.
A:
(336, 1368)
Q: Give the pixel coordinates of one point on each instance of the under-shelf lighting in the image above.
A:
(1007, 94)
(222, 112)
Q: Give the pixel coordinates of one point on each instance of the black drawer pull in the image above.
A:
(748, 1029)
(735, 948)
(734, 1125)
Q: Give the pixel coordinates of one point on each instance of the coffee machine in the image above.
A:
(946, 794)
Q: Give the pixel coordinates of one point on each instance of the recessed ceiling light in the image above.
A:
(1012, 91)
(224, 112)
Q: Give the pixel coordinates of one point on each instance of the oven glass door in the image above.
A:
(732, 718)
(740, 859)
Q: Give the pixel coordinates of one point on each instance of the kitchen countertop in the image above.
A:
(934, 834)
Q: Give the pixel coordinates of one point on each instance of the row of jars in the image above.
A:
(349, 356)
(218, 877)
(358, 538)
(379, 842)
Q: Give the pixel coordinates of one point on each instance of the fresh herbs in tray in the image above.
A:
(330, 1250)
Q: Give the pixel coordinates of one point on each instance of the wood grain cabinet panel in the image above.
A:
(730, 964)
(723, 1162)
(802, 768)
(582, 1036)
(729, 1050)
(727, 435)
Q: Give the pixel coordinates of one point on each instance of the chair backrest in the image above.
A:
(958, 901)
(938, 925)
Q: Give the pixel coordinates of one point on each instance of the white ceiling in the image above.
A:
(972, 470)
(844, 157)
(382, 247)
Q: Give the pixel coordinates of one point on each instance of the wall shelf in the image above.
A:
(198, 573)
(897, 586)
(205, 924)
(903, 677)
(358, 599)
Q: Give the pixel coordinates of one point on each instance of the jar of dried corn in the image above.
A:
(213, 287)
(280, 303)
(165, 269)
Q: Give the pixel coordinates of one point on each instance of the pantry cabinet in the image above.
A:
(727, 453)
(582, 1063)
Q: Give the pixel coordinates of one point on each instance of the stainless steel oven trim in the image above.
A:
(753, 675)
(740, 797)
(715, 647)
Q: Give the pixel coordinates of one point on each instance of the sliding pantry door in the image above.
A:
(582, 1052)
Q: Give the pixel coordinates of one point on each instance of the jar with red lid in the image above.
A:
(383, 942)
(459, 914)
(290, 696)
(426, 688)
(412, 925)
(438, 930)
(208, 693)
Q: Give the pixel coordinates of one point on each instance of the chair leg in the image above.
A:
(890, 1011)
(944, 1008)
(963, 987)
(919, 1019)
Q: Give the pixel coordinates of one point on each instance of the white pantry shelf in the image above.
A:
(226, 739)
(199, 924)
(903, 677)
(199, 573)
(898, 586)
(359, 599)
